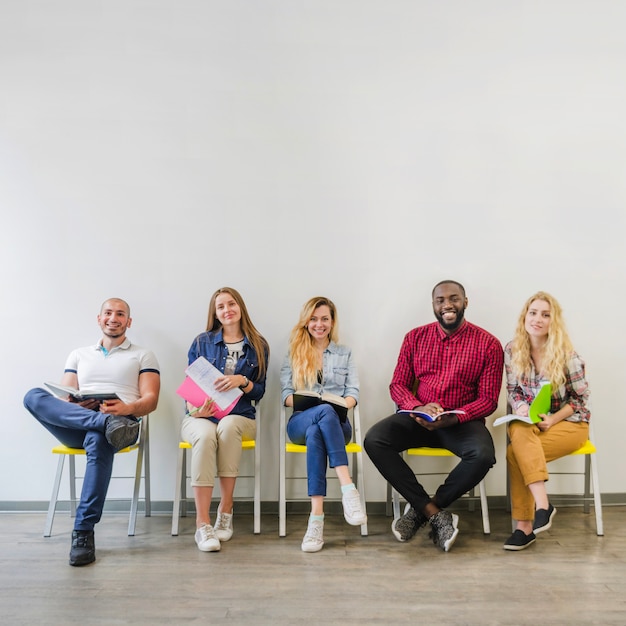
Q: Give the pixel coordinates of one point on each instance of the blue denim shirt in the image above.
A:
(340, 376)
(211, 346)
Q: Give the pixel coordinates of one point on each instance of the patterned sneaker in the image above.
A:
(543, 519)
(445, 528)
(314, 538)
(206, 539)
(352, 510)
(405, 527)
(224, 526)
(83, 549)
(121, 431)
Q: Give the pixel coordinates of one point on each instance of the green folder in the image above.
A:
(541, 403)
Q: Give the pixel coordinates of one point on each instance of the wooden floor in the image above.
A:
(570, 576)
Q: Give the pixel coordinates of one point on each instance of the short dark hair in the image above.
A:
(445, 282)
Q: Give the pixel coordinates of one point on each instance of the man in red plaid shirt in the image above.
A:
(447, 365)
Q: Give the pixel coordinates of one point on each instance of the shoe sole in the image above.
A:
(518, 548)
(123, 436)
(455, 523)
(217, 549)
(547, 526)
(224, 537)
(396, 533)
(355, 522)
(311, 548)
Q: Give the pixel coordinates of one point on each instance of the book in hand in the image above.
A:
(304, 399)
(199, 386)
(61, 391)
(428, 417)
(539, 406)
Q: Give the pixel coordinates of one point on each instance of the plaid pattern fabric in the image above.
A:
(460, 371)
(574, 392)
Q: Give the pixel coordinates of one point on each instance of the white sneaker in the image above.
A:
(206, 539)
(352, 510)
(314, 538)
(224, 526)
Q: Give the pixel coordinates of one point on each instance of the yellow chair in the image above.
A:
(354, 448)
(590, 474)
(179, 508)
(143, 462)
(394, 498)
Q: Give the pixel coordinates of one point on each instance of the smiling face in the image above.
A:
(320, 324)
(449, 304)
(114, 319)
(227, 310)
(537, 320)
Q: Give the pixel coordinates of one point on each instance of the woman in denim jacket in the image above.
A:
(235, 347)
(317, 363)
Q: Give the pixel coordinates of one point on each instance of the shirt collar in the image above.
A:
(123, 346)
(457, 333)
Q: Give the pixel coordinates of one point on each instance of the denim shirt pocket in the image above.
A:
(339, 375)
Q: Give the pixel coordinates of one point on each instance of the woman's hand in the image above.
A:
(225, 383)
(546, 422)
(206, 410)
(522, 410)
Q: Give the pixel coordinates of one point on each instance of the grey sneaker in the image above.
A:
(405, 527)
(314, 538)
(224, 526)
(444, 529)
(206, 539)
(121, 431)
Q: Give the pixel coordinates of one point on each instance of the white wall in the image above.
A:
(364, 149)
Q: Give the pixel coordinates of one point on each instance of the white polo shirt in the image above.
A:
(116, 371)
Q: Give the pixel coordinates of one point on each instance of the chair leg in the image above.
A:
(180, 477)
(597, 499)
(282, 502)
(72, 485)
(132, 518)
(358, 460)
(54, 497)
(146, 469)
(484, 507)
(395, 503)
(257, 486)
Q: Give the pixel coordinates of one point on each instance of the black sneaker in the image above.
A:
(519, 540)
(83, 549)
(444, 529)
(543, 519)
(121, 431)
(405, 527)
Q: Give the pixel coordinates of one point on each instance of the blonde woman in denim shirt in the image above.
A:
(316, 362)
(236, 348)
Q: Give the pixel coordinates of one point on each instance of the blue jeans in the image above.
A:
(470, 441)
(325, 437)
(77, 427)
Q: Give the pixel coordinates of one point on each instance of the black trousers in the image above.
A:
(470, 441)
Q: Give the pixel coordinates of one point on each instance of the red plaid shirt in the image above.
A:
(459, 371)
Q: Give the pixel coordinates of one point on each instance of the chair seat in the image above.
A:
(588, 448)
(143, 463)
(179, 507)
(393, 497)
(351, 448)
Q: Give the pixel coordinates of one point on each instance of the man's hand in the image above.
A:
(91, 403)
(441, 422)
(115, 407)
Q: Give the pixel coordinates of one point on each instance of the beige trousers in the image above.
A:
(216, 448)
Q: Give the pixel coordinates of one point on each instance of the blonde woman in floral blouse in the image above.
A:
(541, 352)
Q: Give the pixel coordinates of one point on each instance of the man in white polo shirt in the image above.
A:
(102, 427)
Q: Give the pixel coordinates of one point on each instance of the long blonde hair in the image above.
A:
(557, 350)
(302, 353)
(260, 345)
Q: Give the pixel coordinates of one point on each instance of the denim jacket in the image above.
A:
(339, 375)
(211, 346)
